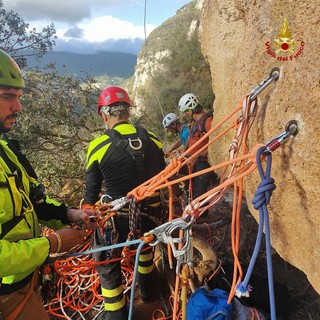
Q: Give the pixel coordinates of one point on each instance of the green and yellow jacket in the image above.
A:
(22, 248)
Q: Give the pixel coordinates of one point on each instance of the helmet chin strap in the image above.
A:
(176, 127)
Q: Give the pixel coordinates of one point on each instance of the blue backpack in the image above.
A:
(206, 305)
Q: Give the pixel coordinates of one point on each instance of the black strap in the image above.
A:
(9, 225)
(15, 147)
(203, 125)
(6, 159)
(138, 155)
(15, 170)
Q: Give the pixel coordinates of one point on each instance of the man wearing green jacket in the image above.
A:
(23, 204)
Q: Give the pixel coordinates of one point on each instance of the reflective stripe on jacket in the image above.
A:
(22, 249)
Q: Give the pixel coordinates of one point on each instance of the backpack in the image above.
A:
(242, 312)
(209, 305)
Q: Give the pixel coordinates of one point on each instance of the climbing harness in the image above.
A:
(135, 147)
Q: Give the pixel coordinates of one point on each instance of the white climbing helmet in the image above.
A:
(169, 119)
(188, 102)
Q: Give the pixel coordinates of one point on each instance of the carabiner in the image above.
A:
(274, 75)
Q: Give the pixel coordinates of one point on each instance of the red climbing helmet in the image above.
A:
(111, 95)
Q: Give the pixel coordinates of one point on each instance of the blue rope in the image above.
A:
(136, 264)
(104, 248)
(260, 201)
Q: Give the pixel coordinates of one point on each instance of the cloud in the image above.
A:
(106, 27)
(102, 34)
(85, 47)
(87, 26)
(62, 10)
(58, 10)
(74, 32)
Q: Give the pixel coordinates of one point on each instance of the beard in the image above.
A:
(3, 129)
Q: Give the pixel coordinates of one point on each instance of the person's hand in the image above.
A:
(64, 239)
(83, 216)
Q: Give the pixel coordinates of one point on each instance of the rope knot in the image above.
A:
(263, 194)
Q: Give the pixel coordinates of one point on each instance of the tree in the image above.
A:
(57, 123)
(20, 42)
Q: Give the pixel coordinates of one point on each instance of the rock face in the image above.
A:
(240, 40)
(169, 65)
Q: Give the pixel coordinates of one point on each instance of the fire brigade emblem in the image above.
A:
(284, 42)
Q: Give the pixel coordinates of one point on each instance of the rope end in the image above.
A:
(242, 291)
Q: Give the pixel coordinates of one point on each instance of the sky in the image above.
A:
(88, 26)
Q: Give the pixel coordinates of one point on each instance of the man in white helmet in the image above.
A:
(172, 123)
(201, 124)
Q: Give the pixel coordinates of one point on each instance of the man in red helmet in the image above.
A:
(123, 157)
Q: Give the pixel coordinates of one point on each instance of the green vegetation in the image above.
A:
(181, 71)
(59, 118)
(21, 43)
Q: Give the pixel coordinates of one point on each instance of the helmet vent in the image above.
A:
(13, 76)
(120, 95)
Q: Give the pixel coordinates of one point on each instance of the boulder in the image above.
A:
(242, 41)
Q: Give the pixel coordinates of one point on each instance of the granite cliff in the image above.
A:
(242, 41)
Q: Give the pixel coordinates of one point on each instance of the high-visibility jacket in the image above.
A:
(108, 162)
(22, 248)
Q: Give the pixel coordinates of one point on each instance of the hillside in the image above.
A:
(169, 65)
(110, 64)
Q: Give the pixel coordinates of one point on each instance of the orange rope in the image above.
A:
(240, 163)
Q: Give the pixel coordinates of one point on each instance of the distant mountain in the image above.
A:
(111, 64)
